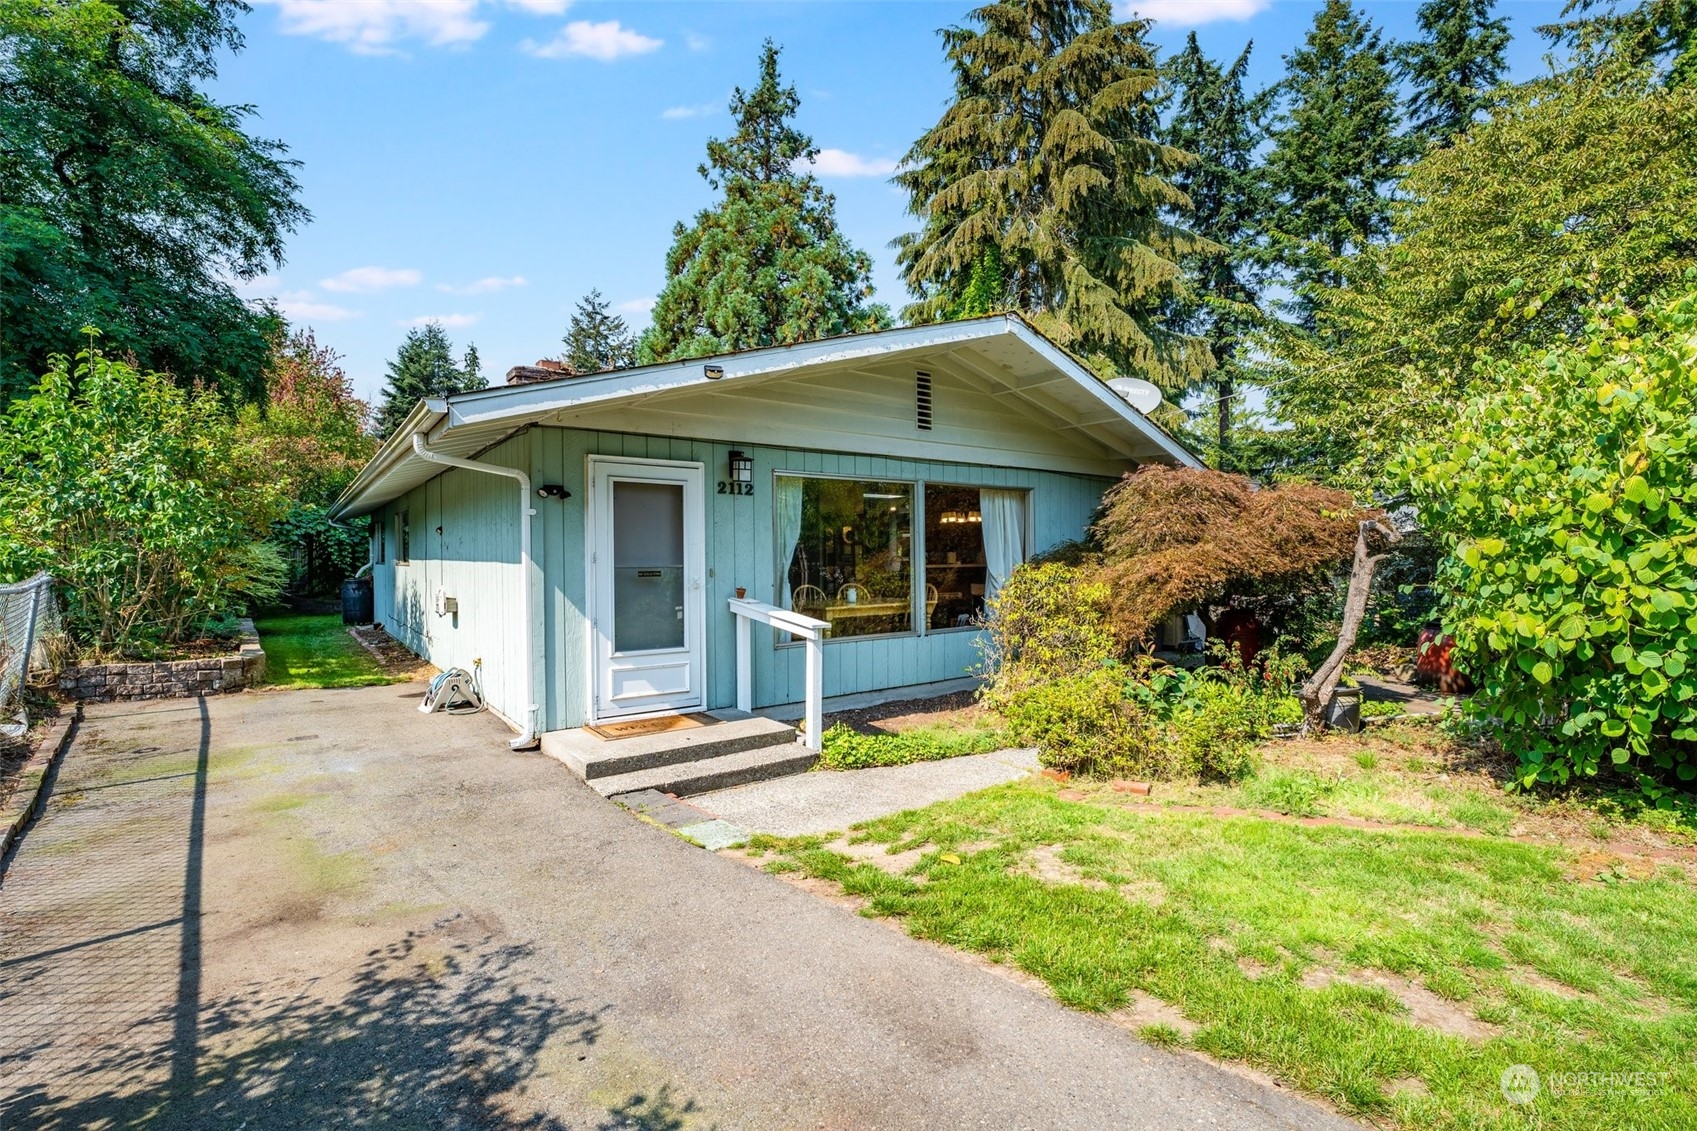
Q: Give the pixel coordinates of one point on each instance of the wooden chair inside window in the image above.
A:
(807, 597)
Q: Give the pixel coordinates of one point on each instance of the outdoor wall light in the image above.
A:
(742, 467)
(713, 372)
(552, 491)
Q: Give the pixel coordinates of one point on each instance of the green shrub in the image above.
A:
(1085, 725)
(1294, 792)
(1048, 622)
(1566, 507)
(1380, 709)
(134, 494)
(848, 749)
(1217, 728)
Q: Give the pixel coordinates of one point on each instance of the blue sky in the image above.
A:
(487, 162)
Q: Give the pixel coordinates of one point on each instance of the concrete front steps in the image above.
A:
(735, 749)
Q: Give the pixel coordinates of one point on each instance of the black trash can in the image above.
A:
(356, 601)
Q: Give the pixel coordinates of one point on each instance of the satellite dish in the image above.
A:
(1140, 394)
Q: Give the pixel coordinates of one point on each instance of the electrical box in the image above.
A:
(446, 606)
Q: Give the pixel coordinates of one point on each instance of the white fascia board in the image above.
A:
(1117, 404)
(423, 418)
(535, 401)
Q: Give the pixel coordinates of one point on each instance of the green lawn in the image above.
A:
(315, 651)
(1267, 936)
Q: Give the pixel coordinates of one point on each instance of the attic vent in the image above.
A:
(922, 401)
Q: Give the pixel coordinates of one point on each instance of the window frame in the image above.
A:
(403, 537)
(916, 616)
(916, 547)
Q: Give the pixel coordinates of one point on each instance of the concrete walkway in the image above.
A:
(320, 908)
(831, 800)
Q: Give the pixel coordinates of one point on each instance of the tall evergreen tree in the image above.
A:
(129, 198)
(1459, 58)
(424, 366)
(766, 265)
(1336, 152)
(1651, 33)
(597, 339)
(1212, 119)
(1045, 173)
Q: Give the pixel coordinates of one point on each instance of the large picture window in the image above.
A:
(846, 553)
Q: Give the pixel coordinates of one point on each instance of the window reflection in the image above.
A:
(849, 549)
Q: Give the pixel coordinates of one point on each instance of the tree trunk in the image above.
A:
(1317, 692)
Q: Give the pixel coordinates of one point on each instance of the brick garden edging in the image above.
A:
(26, 797)
(169, 679)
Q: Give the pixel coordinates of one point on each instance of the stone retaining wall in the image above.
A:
(169, 679)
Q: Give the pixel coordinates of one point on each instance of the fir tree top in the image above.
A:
(597, 339)
(424, 366)
(766, 265)
(1459, 57)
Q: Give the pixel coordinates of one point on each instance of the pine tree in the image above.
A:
(1046, 161)
(1660, 34)
(597, 339)
(766, 265)
(1336, 152)
(1219, 125)
(1459, 58)
(424, 366)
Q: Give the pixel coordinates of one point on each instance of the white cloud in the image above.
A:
(842, 163)
(373, 27)
(696, 42)
(486, 285)
(605, 41)
(673, 113)
(1191, 13)
(361, 279)
(300, 306)
(636, 306)
(541, 7)
(446, 321)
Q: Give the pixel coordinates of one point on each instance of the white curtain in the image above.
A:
(1003, 525)
(787, 499)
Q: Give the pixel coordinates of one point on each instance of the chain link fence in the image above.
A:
(30, 640)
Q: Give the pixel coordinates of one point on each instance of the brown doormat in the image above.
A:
(635, 728)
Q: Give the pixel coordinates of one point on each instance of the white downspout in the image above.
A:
(527, 739)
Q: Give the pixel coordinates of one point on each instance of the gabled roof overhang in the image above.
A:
(1063, 392)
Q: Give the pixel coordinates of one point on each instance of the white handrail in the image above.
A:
(812, 633)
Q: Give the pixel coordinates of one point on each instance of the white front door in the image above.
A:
(647, 587)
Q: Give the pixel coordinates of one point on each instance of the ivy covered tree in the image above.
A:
(1336, 152)
(1214, 120)
(597, 339)
(424, 366)
(130, 199)
(1046, 177)
(765, 265)
(1458, 60)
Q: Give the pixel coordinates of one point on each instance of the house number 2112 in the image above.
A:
(735, 488)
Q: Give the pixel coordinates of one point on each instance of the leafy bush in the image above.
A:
(1566, 507)
(133, 493)
(847, 749)
(1048, 622)
(1295, 792)
(1217, 714)
(1085, 724)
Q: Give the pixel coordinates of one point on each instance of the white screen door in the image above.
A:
(646, 570)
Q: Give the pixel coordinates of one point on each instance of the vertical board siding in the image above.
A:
(739, 540)
(475, 559)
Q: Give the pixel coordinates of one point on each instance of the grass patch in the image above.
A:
(1345, 932)
(315, 651)
(847, 749)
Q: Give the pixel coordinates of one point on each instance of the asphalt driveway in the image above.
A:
(322, 909)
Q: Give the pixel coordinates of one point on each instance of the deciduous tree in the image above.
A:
(129, 198)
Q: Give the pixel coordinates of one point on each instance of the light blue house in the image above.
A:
(580, 543)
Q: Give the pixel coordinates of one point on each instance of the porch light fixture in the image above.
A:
(742, 467)
(552, 491)
(713, 372)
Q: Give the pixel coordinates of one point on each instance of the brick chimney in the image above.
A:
(547, 369)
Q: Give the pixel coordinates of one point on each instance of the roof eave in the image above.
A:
(423, 419)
